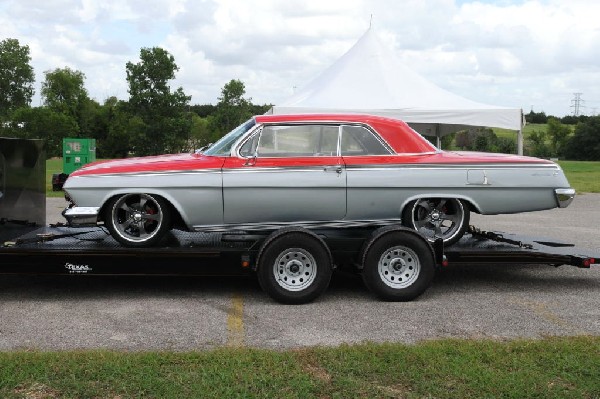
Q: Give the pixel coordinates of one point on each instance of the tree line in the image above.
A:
(569, 137)
(155, 119)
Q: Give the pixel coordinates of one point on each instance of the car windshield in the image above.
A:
(223, 146)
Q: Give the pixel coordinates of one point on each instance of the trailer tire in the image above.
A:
(294, 267)
(398, 265)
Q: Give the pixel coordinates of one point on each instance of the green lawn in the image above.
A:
(583, 176)
(548, 368)
(53, 166)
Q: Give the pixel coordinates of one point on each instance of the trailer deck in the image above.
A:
(58, 249)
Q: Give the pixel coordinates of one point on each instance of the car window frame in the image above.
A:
(259, 131)
(373, 132)
(235, 152)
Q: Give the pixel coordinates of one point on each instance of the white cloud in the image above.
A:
(515, 53)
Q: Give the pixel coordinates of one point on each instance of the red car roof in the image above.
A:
(401, 137)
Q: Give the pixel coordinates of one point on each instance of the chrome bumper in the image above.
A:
(81, 215)
(564, 196)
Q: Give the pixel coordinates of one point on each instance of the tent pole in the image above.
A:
(438, 141)
(520, 135)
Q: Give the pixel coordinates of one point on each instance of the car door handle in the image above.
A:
(337, 169)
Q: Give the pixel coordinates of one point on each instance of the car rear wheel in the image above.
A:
(446, 218)
(294, 267)
(138, 220)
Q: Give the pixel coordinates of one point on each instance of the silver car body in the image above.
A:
(253, 191)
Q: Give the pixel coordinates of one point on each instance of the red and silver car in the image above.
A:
(315, 171)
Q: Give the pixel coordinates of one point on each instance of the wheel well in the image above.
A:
(467, 201)
(177, 219)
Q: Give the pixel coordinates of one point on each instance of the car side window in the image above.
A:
(249, 147)
(358, 140)
(298, 141)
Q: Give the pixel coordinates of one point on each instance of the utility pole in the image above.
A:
(576, 103)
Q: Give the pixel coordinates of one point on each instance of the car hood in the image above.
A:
(158, 164)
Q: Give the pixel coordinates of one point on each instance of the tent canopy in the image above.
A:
(371, 79)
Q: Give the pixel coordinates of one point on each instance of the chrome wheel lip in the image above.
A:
(295, 269)
(136, 218)
(399, 267)
(434, 216)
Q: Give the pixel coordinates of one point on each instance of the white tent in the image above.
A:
(371, 79)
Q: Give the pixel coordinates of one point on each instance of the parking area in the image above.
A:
(144, 313)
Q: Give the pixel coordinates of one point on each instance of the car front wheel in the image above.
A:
(446, 218)
(137, 220)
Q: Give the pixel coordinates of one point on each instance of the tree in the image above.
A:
(537, 144)
(536, 117)
(166, 124)
(43, 123)
(201, 134)
(584, 145)
(64, 92)
(16, 76)
(232, 108)
(559, 135)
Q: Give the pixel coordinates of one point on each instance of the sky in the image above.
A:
(516, 53)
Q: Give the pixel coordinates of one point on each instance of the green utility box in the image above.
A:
(77, 152)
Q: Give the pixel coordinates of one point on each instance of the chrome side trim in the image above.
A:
(449, 166)
(564, 196)
(155, 173)
(81, 215)
(333, 224)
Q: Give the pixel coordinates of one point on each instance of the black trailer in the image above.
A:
(293, 264)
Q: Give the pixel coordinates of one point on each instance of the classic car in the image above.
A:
(315, 171)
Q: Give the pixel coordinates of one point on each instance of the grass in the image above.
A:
(583, 176)
(549, 368)
(53, 165)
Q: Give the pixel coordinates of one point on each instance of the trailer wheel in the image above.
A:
(137, 220)
(294, 267)
(398, 266)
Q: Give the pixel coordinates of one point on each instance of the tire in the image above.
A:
(447, 218)
(138, 220)
(294, 267)
(398, 266)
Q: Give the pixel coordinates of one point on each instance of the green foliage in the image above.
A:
(232, 109)
(537, 146)
(585, 143)
(201, 135)
(485, 140)
(165, 123)
(16, 76)
(536, 117)
(559, 135)
(42, 122)
(63, 91)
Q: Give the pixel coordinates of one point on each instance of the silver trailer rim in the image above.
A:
(438, 218)
(137, 217)
(295, 269)
(399, 267)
